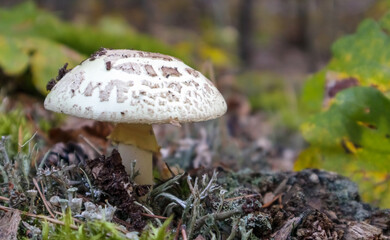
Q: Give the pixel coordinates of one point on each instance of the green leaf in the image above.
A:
(36, 39)
(352, 136)
(13, 59)
(363, 56)
(312, 95)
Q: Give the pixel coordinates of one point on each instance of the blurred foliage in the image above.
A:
(364, 56)
(15, 126)
(351, 136)
(36, 39)
(270, 93)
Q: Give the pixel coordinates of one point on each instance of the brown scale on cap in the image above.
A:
(51, 84)
(61, 73)
(192, 72)
(133, 68)
(150, 71)
(108, 65)
(102, 51)
(170, 71)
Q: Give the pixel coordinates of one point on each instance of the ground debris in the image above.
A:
(109, 175)
(70, 153)
(9, 225)
(363, 230)
(381, 219)
(312, 204)
(316, 225)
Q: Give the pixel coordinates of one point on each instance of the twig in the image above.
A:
(52, 220)
(169, 169)
(183, 232)
(178, 229)
(90, 144)
(153, 216)
(280, 201)
(241, 197)
(20, 138)
(5, 199)
(216, 216)
(148, 211)
(122, 222)
(38, 130)
(28, 141)
(47, 204)
(190, 184)
(89, 183)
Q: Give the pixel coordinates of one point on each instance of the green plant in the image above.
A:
(15, 127)
(97, 229)
(100, 229)
(159, 233)
(35, 39)
(351, 136)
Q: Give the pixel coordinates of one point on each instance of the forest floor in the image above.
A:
(210, 191)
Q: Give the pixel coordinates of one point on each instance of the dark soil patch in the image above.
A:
(312, 204)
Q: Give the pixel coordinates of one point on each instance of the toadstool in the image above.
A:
(135, 89)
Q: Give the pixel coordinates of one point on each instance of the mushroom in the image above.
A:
(135, 89)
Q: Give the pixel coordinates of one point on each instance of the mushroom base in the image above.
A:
(144, 163)
(136, 142)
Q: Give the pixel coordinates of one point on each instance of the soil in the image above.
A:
(313, 204)
(310, 204)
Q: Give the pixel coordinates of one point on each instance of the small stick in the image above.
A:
(190, 184)
(149, 212)
(43, 198)
(178, 230)
(153, 216)
(20, 138)
(240, 197)
(4, 199)
(183, 232)
(169, 169)
(217, 216)
(90, 144)
(280, 201)
(53, 220)
(277, 197)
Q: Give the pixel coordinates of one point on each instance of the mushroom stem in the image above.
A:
(136, 142)
(144, 163)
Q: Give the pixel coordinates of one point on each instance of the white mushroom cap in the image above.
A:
(136, 87)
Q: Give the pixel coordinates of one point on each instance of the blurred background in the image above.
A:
(258, 52)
